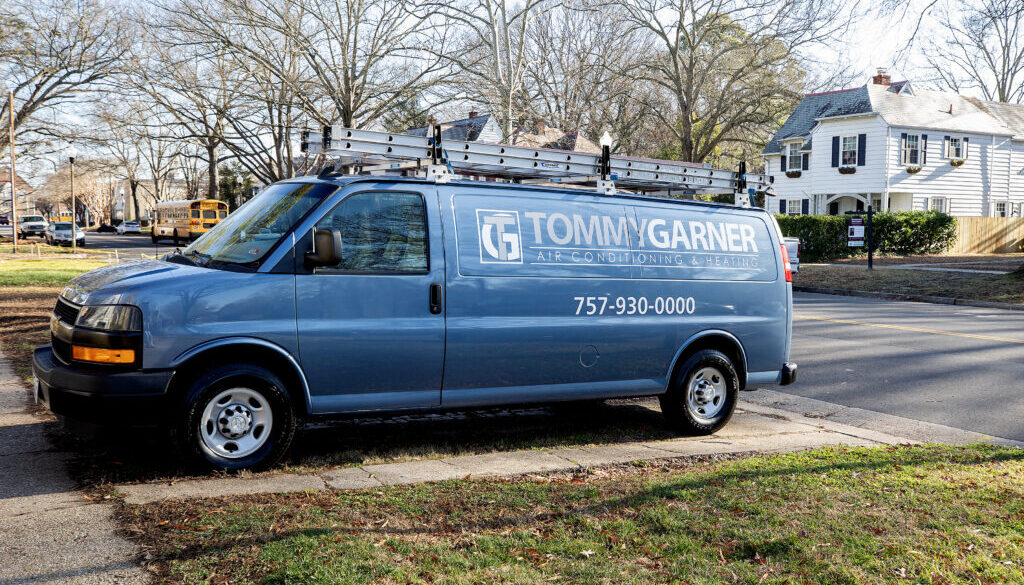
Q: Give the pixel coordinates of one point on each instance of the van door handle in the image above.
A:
(435, 298)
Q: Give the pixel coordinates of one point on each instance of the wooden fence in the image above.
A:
(988, 235)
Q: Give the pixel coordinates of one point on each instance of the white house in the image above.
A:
(897, 147)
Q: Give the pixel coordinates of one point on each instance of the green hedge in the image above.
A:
(823, 237)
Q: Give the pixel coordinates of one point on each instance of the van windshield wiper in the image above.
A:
(204, 257)
(176, 257)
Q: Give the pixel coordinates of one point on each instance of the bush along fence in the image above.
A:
(823, 237)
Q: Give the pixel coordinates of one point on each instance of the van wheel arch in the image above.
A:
(719, 341)
(241, 353)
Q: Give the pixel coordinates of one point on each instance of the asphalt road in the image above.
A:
(958, 366)
(127, 246)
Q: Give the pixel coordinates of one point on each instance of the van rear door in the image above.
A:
(371, 329)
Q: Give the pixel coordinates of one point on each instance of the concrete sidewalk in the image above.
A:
(754, 428)
(49, 533)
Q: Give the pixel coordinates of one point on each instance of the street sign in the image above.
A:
(855, 236)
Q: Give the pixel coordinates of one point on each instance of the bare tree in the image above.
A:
(576, 76)
(726, 65)
(54, 53)
(121, 136)
(491, 53)
(982, 49)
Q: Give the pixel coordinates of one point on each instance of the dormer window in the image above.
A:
(795, 160)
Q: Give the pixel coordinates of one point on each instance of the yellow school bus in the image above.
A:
(186, 220)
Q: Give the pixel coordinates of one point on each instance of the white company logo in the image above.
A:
(501, 240)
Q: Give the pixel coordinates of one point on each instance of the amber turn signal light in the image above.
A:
(103, 355)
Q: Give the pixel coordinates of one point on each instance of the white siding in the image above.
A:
(1017, 171)
(869, 178)
(970, 189)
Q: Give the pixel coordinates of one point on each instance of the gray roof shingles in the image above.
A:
(829, 104)
(919, 108)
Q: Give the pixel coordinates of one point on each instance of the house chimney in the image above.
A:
(882, 77)
(540, 126)
(473, 113)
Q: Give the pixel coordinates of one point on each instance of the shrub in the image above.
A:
(823, 237)
(913, 232)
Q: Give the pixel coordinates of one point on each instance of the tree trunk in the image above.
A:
(211, 171)
(134, 186)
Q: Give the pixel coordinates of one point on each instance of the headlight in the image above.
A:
(111, 318)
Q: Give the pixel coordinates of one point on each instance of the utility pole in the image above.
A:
(72, 154)
(14, 187)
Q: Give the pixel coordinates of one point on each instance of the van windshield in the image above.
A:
(246, 236)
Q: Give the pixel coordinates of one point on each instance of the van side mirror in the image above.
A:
(326, 249)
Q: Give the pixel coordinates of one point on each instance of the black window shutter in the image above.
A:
(862, 146)
(805, 206)
(945, 148)
(966, 143)
(782, 206)
(806, 164)
(835, 151)
(784, 167)
(904, 159)
(924, 149)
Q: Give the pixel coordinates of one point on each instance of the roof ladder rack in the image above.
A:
(372, 151)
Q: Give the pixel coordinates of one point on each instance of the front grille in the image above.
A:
(61, 349)
(66, 312)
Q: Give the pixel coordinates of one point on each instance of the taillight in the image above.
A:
(786, 264)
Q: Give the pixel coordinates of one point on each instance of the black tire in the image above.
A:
(188, 430)
(707, 373)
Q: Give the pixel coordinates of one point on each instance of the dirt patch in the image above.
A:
(1005, 288)
(25, 323)
(1004, 261)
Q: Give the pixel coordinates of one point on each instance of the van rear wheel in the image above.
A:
(703, 394)
(236, 417)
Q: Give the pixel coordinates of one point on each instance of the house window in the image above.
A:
(1001, 209)
(794, 207)
(937, 204)
(849, 151)
(912, 150)
(956, 148)
(795, 159)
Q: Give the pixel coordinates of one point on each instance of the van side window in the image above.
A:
(380, 232)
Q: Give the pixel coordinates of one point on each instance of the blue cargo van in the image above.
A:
(360, 294)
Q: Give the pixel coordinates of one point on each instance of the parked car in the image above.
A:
(4, 220)
(106, 228)
(59, 234)
(793, 247)
(129, 227)
(32, 225)
(356, 294)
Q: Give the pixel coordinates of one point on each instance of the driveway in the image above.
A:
(957, 366)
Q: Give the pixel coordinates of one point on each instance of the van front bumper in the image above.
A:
(94, 395)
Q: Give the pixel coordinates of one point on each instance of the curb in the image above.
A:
(911, 298)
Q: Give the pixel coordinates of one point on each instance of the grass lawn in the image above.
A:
(16, 271)
(983, 287)
(28, 290)
(925, 514)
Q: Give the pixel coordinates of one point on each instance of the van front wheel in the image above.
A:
(239, 417)
(703, 394)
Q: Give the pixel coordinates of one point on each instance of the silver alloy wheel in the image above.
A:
(705, 394)
(236, 423)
